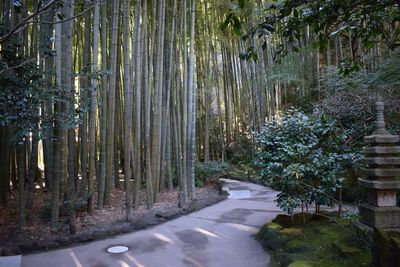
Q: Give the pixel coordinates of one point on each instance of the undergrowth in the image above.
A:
(315, 240)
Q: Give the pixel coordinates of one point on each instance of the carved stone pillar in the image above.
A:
(382, 156)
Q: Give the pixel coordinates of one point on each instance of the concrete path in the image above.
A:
(10, 261)
(220, 236)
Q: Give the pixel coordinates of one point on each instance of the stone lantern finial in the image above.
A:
(380, 118)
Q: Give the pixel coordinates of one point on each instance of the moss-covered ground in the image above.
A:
(305, 240)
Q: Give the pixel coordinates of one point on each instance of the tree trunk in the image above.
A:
(21, 182)
(111, 101)
(127, 111)
(147, 110)
(103, 122)
(191, 107)
(138, 108)
(93, 108)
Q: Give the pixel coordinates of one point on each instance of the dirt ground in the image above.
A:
(38, 235)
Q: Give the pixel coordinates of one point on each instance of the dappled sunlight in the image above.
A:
(74, 258)
(242, 227)
(205, 232)
(132, 259)
(163, 238)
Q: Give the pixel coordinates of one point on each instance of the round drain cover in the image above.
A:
(117, 249)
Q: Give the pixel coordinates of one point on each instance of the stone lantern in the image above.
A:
(382, 156)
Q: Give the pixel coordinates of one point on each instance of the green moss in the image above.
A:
(319, 242)
(274, 226)
(292, 231)
(345, 250)
(301, 264)
(295, 246)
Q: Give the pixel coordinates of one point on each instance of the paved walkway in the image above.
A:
(220, 235)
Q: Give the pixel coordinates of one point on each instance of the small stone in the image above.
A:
(169, 214)
(126, 227)
(47, 244)
(145, 222)
(27, 246)
(63, 241)
(85, 237)
(161, 220)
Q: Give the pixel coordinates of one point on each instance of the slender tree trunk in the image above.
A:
(147, 99)
(157, 102)
(191, 107)
(57, 143)
(167, 119)
(70, 109)
(138, 108)
(127, 111)
(111, 101)
(21, 182)
(93, 109)
(103, 122)
(84, 99)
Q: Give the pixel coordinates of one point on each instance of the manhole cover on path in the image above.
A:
(117, 249)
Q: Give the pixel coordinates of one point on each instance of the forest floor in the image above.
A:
(38, 235)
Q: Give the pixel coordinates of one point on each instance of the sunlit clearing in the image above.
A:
(75, 259)
(163, 238)
(205, 232)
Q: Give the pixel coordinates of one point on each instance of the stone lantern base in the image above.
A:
(387, 218)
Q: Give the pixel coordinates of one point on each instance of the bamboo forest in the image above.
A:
(199, 133)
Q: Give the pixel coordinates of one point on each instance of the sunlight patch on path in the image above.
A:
(237, 194)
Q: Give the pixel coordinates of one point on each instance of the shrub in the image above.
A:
(303, 157)
(242, 150)
(209, 169)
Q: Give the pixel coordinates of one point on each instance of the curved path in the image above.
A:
(220, 235)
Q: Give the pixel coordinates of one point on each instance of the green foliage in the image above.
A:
(364, 20)
(354, 108)
(381, 78)
(22, 92)
(316, 243)
(209, 169)
(24, 89)
(303, 157)
(242, 150)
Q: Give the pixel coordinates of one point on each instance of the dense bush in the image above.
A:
(303, 157)
(355, 112)
(209, 170)
(242, 150)
(351, 99)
